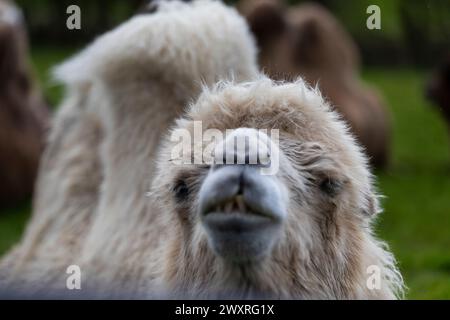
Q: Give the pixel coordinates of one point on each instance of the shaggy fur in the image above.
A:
(307, 41)
(123, 91)
(327, 243)
(23, 113)
(93, 208)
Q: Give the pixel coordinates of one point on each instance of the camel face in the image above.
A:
(244, 212)
(236, 229)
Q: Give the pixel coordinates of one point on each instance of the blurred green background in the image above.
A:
(414, 35)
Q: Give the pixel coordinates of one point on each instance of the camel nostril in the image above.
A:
(241, 184)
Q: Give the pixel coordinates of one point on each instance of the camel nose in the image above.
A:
(243, 146)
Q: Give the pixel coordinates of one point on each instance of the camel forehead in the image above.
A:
(298, 111)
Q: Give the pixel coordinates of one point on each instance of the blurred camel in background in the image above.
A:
(307, 41)
(438, 88)
(23, 113)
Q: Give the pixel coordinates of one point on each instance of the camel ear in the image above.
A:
(266, 21)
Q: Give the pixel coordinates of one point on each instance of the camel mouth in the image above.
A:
(238, 206)
(239, 233)
(233, 205)
(242, 213)
(235, 215)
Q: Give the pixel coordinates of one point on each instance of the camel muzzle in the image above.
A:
(242, 212)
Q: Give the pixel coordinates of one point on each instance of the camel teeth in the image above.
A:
(228, 207)
(240, 204)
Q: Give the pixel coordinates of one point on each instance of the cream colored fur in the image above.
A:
(123, 91)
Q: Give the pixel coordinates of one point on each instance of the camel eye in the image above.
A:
(330, 186)
(181, 190)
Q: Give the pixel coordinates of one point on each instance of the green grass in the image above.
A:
(416, 221)
(12, 224)
(13, 220)
(43, 60)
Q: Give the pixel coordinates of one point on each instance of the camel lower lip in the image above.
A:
(236, 221)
